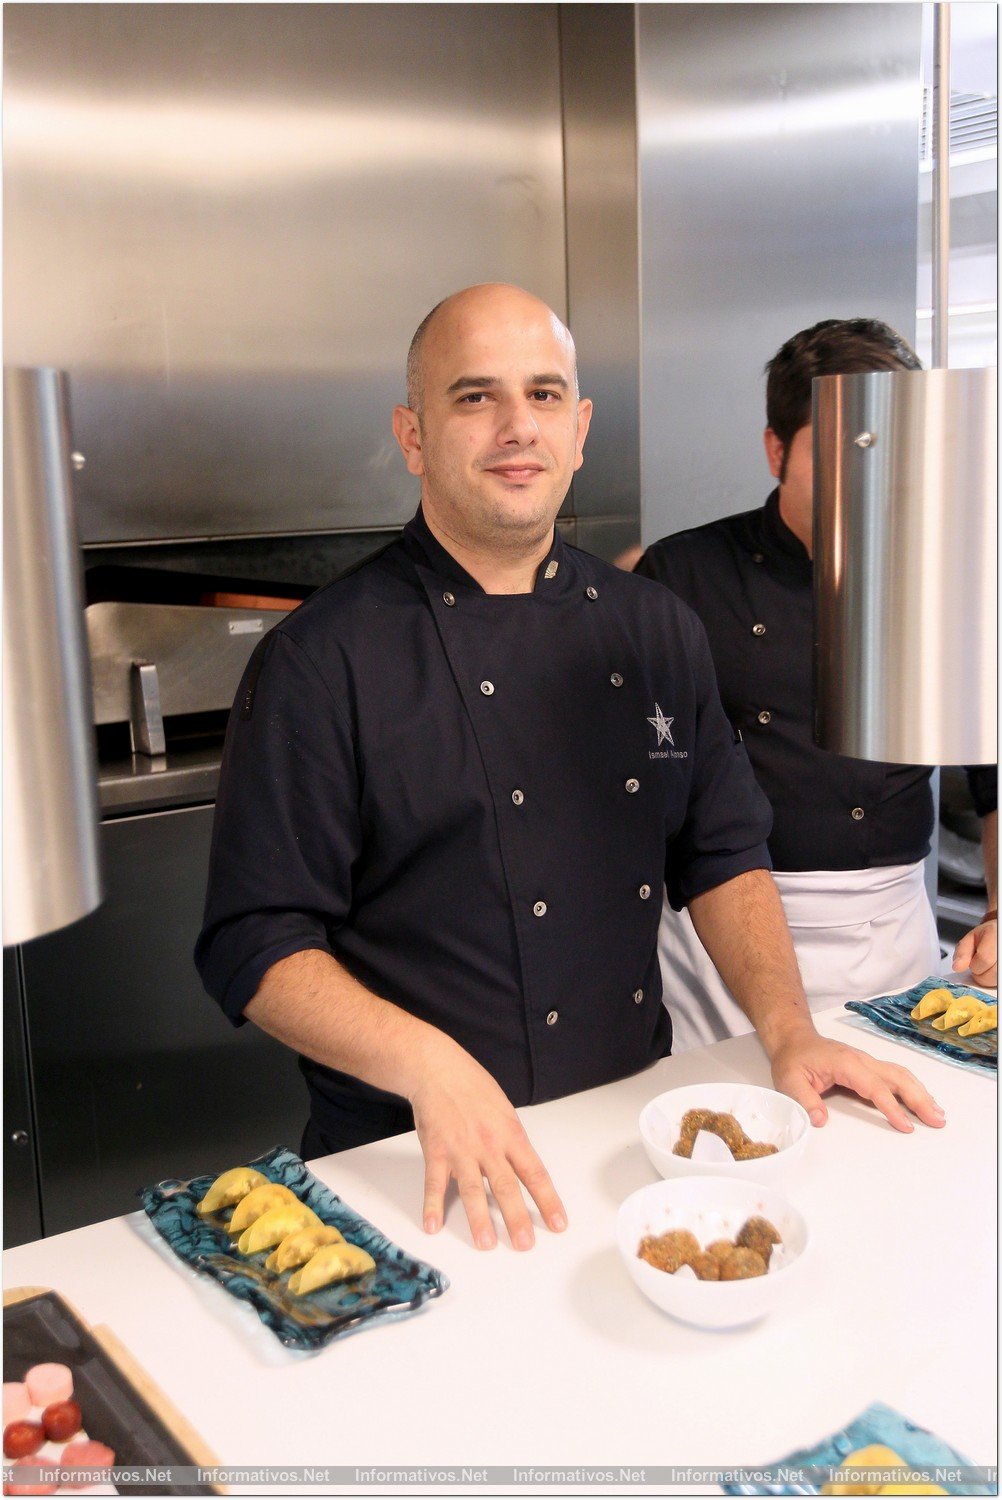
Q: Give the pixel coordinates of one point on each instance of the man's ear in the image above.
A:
(775, 452)
(407, 431)
(584, 422)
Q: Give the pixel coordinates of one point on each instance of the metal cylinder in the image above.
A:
(905, 579)
(50, 813)
(940, 186)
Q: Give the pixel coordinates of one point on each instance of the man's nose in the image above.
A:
(518, 422)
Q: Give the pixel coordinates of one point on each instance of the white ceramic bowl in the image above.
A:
(763, 1114)
(714, 1208)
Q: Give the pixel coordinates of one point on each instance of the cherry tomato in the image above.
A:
(61, 1420)
(21, 1439)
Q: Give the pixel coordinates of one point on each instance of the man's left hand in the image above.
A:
(807, 1065)
(978, 950)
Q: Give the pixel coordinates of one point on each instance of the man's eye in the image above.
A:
(473, 398)
(544, 398)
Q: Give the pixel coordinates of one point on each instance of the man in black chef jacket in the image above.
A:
(455, 782)
(848, 836)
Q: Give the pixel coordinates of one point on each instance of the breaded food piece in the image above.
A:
(720, 1249)
(706, 1267)
(723, 1125)
(752, 1150)
(693, 1121)
(742, 1264)
(758, 1235)
(933, 1003)
(667, 1252)
(729, 1131)
(740, 1145)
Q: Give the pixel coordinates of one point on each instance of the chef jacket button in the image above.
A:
(765, 716)
(449, 598)
(638, 996)
(552, 1018)
(487, 688)
(633, 785)
(616, 679)
(518, 797)
(591, 592)
(758, 630)
(757, 557)
(858, 814)
(644, 892)
(539, 910)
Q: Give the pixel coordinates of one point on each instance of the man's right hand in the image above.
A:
(469, 1131)
(465, 1123)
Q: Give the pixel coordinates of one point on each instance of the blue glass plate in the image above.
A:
(399, 1285)
(878, 1424)
(892, 1013)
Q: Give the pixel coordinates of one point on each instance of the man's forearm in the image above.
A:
(743, 928)
(311, 1002)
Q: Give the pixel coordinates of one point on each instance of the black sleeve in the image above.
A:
(984, 784)
(286, 832)
(728, 819)
(652, 565)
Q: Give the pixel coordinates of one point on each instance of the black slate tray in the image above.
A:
(44, 1328)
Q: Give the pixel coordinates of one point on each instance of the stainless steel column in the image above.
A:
(905, 581)
(50, 862)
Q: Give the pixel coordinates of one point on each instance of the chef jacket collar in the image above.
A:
(424, 547)
(780, 542)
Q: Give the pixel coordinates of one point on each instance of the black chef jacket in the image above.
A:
(750, 580)
(472, 800)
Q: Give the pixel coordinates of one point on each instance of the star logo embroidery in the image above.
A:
(662, 725)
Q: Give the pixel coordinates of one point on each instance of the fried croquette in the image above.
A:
(668, 1252)
(720, 1249)
(758, 1235)
(742, 1264)
(706, 1266)
(752, 1150)
(741, 1146)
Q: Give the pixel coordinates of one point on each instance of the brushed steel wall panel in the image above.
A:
(598, 60)
(778, 153)
(226, 220)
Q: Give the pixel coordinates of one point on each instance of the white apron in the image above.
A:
(856, 933)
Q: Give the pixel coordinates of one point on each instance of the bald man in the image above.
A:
(456, 781)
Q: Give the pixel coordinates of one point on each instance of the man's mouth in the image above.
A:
(515, 473)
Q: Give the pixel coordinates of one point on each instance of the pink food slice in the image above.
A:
(48, 1383)
(16, 1401)
(86, 1455)
(37, 1461)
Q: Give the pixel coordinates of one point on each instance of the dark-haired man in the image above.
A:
(455, 782)
(848, 836)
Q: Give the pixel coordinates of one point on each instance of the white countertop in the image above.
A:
(553, 1357)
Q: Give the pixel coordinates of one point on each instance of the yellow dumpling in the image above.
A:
(932, 1004)
(915, 1488)
(257, 1202)
(230, 1188)
(297, 1248)
(332, 1263)
(987, 1019)
(957, 1012)
(274, 1226)
(875, 1456)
